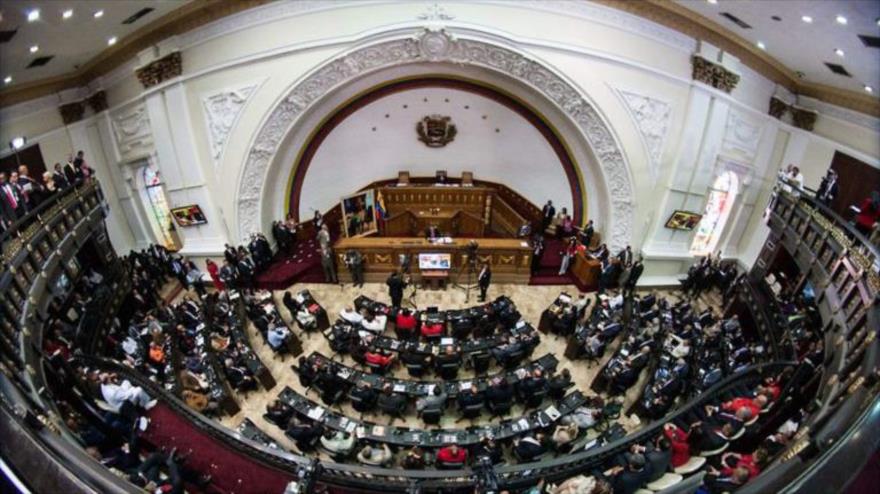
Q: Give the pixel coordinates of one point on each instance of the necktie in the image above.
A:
(11, 197)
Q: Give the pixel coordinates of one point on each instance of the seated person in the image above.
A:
(435, 399)
(375, 455)
(390, 401)
(629, 479)
(379, 357)
(338, 442)
(755, 405)
(278, 412)
(451, 454)
(409, 357)
(450, 356)
(199, 402)
(349, 314)
(488, 448)
(414, 459)
(678, 439)
(239, 378)
(306, 319)
(433, 329)
(752, 462)
(365, 393)
(117, 393)
(582, 484)
(406, 322)
(472, 397)
(374, 323)
(584, 417)
(564, 434)
(529, 447)
(559, 383)
(277, 336)
(719, 482)
(499, 391)
(533, 385)
(303, 433)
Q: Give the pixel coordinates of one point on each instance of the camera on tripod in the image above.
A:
(472, 248)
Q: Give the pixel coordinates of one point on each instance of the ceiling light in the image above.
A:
(35, 48)
(7, 79)
(878, 21)
(98, 14)
(713, 2)
(761, 45)
(67, 14)
(838, 52)
(111, 41)
(34, 15)
(841, 20)
(17, 143)
(869, 89)
(807, 19)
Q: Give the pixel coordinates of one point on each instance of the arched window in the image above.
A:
(158, 211)
(711, 226)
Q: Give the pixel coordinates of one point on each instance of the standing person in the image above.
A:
(355, 263)
(396, 284)
(869, 213)
(547, 214)
(214, 271)
(587, 234)
(537, 252)
(70, 172)
(34, 192)
(568, 253)
(634, 273)
(59, 178)
(328, 264)
(11, 201)
(483, 280)
(827, 188)
(323, 237)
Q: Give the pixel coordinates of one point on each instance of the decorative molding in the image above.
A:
(777, 107)
(839, 112)
(131, 128)
(221, 110)
(161, 70)
(741, 135)
(72, 112)
(98, 101)
(714, 74)
(435, 12)
(460, 51)
(803, 118)
(652, 118)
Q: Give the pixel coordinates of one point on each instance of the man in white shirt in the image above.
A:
(375, 324)
(338, 442)
(116, 394)
(350, 315)
(375, 455)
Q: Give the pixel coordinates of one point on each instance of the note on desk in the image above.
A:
(344, 372)
(399, 388)
(450, 438)
(429, 389)
(523, 244)
(521, 373)
(520, 324)
(350, 427)
(552, 412)
(316, 413)
(523, 424)
(378, 430)
(447, 341)
(361, 432)
(464, 385)
(395, 344)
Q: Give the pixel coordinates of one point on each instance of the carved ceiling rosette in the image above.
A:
(777, 107)
(437, 46)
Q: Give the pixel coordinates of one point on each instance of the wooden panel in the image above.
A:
(504, 219)
(856, 180)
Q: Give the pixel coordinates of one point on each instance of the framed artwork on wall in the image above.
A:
(359, 214)
(683, 220)
(189, 215)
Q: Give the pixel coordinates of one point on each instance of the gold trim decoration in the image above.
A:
(72, 112)
(161, 70)
(803, 118)
(713, 74)
(777, 107)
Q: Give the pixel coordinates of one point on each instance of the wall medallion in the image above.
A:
(436, 131)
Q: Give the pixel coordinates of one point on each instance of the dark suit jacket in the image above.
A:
(485, 278)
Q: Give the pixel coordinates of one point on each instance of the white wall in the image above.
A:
(674, 134)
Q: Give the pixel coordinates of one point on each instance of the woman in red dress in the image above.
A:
(214, 271)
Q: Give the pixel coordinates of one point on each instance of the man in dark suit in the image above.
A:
(827, 188)
(537, 252)
(11, 201)
(587, 234)
(355, 263)
(626, 257)
(71, 172)
(432, 232)
(391, 402)
(547, 214)
(469, 398)
(59, 177)
(483, 280)
(396, 284)
(634, 273)
(500, 391)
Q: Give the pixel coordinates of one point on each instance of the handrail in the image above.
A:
(47, 204)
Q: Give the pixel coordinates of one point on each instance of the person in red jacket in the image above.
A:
(681, 450)
(452, 454)
(405, 322)
(752, 462)
(755, 405)
(869, 213)
(214, 271)
(379, 358)
(432, 329)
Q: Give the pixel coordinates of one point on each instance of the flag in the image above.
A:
(381, 212)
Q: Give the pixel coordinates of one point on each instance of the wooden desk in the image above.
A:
(587, 270)
(435, 278)
(508, 258)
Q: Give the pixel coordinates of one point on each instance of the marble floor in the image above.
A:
(530, 300)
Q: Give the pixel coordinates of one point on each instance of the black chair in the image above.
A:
(332, 397)
(514, 359)
(481, 362)
(443, 465)
(449, 371)
(471, 412)
(499, 409)
(377, 369)
(431, 416)
(394, 412)
(534, 400)
(415, 370)
(360, 405)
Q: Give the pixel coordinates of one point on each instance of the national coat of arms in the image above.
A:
(436, 131)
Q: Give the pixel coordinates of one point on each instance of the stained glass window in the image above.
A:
(158, 212)
(721, 197)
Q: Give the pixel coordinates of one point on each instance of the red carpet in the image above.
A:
(231, 472)
(303, 266)
(548, 270)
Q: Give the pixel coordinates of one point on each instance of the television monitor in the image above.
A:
(435, 261)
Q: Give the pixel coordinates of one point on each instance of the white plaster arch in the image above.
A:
(438, 47)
